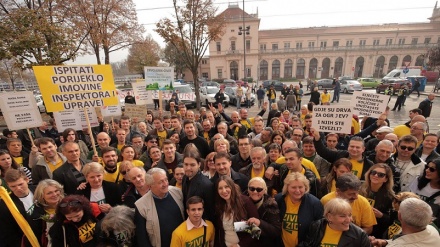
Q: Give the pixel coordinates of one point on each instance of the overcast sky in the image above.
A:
(278, 14)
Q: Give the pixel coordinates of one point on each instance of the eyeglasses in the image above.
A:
(256, 189)
(406, 148)
(70, 204)
(431, 169)
(153, 141)
(297, 135)
(379, 174)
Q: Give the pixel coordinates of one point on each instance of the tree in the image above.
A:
(120, 68)
(145, 53)
(175, 58)
(113, 24)
(10, 71)
(196, 24)
(38, 32)
(434, 58)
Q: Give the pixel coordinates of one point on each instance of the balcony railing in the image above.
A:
(329, 49)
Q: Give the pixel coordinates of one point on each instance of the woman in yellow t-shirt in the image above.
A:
(128, 153)
(336, 229)
(298, 209)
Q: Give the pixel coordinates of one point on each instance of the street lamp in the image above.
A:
(244, 31)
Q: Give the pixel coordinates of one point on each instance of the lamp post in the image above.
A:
(243, 30)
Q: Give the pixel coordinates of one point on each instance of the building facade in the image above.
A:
(317, 52)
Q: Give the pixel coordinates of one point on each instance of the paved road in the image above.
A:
(396, 117)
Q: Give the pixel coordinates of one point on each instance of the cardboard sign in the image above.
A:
(20, 110)
(111, 111)
(75, 119)
(369, 104)
(141, 95)
(136, 111)
(330, 118)
(76, 86)
(159, 78)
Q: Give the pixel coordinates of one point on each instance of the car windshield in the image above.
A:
(212, 90)
(184, 89)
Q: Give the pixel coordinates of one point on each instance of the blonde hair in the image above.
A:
(220, 141)
(43, 184)
(261, 180)
(337, 206)
(295, 176)
(92, 167)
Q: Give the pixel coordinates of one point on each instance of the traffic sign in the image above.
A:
(405, 70)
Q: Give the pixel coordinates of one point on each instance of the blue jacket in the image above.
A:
(310, 210)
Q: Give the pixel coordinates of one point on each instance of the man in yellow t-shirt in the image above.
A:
(194, 231)
(111, 167)
(347, 187)
(325, 98)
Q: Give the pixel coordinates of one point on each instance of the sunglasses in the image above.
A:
(70, 204)
(431, 169)
(379, 174)
(256, 189)
(406, 148)
(124, 172)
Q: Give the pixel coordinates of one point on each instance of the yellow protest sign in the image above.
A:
(76, 86)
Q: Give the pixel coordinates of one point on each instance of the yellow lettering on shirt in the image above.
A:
(357, 168)
(86, 231)
(162, 135)
(331, 237)
(371, 201)
(197, 242)
(290, 223)
(393, 230)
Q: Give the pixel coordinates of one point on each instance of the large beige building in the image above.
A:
(316, 52)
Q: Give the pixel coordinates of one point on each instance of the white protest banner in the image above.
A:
(159, 78)
(167, 95)
(74, 119)
(141, 95)
(20, 110)
(369, 104)
(136, 111)
(331, 118)
(111, 111)
(76, 86)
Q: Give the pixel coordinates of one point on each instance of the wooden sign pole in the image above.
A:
(30, 136)
(86, 115)
(160, 100)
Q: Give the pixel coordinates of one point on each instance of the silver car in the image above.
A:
(349, 86)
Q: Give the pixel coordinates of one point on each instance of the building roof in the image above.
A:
(235, 13)
(367, 29)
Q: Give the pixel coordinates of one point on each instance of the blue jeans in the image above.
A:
(238, 102)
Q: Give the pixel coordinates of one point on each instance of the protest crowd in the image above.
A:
(207, 178)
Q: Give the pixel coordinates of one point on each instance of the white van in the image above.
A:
(398, 73)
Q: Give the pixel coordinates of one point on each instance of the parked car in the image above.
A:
(209, 84)
(396, 83)
(349, 86)
(207, 96)
(184, 90)
(368, 82)
(277, 84)
(325, 84)
(230, 91)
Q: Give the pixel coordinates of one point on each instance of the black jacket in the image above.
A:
(201, 186)
(432, 156)
(239, 179)
(354, 237)
(315, 97)
(270, 223)
(65, 177)
(426, 106)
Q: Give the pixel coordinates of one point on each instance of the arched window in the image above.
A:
(276, 69)
(378, 68)
(392, 64)
(406, 59)
(339, 62)
(359, 67)
(325, 68)
(313, 68)
(300, 68)
(288, 66)
(420, 61)
(263, 70)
